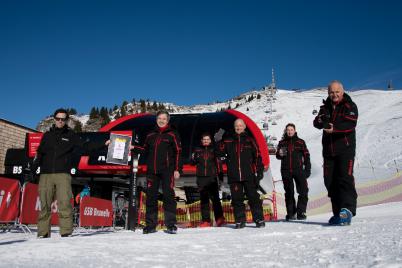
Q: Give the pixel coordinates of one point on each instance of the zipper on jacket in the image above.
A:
(290, 156)
(205, 161)
(238, 155)
(155, 151)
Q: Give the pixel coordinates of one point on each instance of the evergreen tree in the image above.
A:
(78, 126)
(93, 114)
(71, 111)
(143, 106)
(123, 111)
(154, 106)
(258, 96)
(117, 116)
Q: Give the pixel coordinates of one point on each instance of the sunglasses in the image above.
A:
(60, 119)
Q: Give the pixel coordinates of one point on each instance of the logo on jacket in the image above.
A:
(65, 139)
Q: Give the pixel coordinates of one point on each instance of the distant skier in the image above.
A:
(245, 170)
(295, 169)
(208, 167)
(338, 119)
(86, 191)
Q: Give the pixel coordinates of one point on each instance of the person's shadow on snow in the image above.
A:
(324, 224)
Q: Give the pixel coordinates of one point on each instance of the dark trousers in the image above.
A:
(340, 183)
(209, 190)
(169, 202)
(289, 180)
(237, 190)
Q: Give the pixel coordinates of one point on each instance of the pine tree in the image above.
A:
(123, 111)
(143, 106)
(154, 106)
(115, 107)
(71, 111)
(78, 126)
(117, 116)
(258, 96)
(93, 114)
(237, 105)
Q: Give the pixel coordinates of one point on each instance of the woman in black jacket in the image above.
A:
(208, 167)
(295, 166)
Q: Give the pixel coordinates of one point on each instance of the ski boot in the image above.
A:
(259, 223)
(345, 216)
(171, 229)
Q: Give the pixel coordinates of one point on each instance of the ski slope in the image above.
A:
(373, 240)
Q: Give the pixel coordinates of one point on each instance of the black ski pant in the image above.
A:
(169, 201)
(237, 190)
(289, 180)
(209, 190)
(340, 183)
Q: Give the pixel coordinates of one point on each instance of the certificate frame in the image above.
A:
(117, 153)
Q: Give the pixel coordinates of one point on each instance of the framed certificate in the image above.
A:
(118, 149)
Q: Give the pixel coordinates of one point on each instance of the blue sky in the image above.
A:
(82, 54)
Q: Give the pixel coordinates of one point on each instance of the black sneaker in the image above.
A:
(301, 216)
(240, 225)
(43, 236)
(171, 229)
(290, 217)
(149, 230)
(259, 224)
(66, 235)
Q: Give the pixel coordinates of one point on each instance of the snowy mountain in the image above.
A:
(373, 240)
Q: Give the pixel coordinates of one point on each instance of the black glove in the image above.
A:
(220, 177)
(260, 175)
(307, 174)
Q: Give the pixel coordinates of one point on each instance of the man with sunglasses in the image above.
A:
(54, 157)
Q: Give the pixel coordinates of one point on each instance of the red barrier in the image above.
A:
(96, 212)
(31, 206)
(9, 199)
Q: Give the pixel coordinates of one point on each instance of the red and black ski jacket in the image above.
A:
(296, 160)
(163, 149)
(208, 164)
(343, 116)
(242, 158)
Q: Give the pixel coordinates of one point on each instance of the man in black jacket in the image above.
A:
(54, 157)
(295, 166)
(208, 168)
(245, 170)
(163, 147)
(338, 119)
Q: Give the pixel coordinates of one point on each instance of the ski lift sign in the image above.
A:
(118, 149)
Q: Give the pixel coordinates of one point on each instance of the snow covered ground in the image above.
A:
(373, 240)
